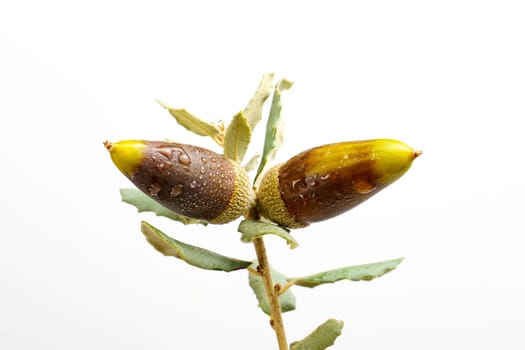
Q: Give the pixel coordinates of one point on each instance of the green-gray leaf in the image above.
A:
(287, 299)
(364, 272)
(253, 110)
(251, 229)
(143, 203)
(321, 338)
(273, 138)
(196, 256)
(237, 138)
(196, 125)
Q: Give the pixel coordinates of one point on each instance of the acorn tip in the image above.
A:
(108, 145)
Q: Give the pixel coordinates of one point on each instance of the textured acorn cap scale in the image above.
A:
(189, 180)
(326, 181)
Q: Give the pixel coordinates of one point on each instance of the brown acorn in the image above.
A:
(326, 181)
(189, 180)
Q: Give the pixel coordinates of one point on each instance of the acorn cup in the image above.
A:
(189, 180)
(326, 181)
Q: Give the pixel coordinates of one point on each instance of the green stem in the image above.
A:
(276, 319)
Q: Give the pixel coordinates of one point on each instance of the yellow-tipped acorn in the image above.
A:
(326, 181)
(189, 180)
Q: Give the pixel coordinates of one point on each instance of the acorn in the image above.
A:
(189, 180)
(328, 180)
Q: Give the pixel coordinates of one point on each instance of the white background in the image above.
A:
(447, 77)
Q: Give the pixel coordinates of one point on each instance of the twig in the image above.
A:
(276, 319)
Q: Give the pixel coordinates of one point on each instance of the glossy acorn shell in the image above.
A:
(329, 180)
(189, 180)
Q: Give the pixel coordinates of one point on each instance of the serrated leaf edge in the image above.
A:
(315, 280)
(169, 246)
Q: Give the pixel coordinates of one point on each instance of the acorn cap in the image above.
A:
(270, 203)
(189, 180)
(326, 181)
